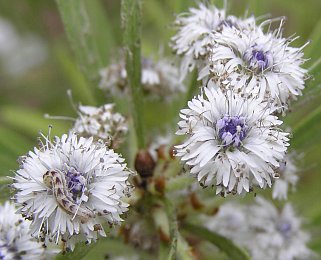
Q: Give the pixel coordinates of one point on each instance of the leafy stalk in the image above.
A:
(131, 22)
(227, 246)
(88, 32)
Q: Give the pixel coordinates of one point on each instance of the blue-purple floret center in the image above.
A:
(285, 228)
(232, 130)
(261, 59)
(76, 183)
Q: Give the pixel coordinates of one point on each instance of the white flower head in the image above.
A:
(288, 172)
(277, 233)
(72, 186)
(230, 221)
(16, 241)
(160, 80)
(101, 123)
(233, 142)
(251, 61)
(265, 231)
(194, 33)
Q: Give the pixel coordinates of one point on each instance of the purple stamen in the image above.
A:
(258, 59)
(75, 183)
(232, 130)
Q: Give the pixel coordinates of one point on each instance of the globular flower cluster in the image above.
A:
(72, 187)
(265, 231)
(233, 143)
(16, 241)
(234, 136)
(101, 123)
(251, 61)
(237, 54)
(160, 80)
(195, 30)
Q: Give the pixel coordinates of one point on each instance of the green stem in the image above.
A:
(314, 65)
(192, 86)
(178, 183)
(131, 22)
(225, 245)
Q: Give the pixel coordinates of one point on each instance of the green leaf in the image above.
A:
(307, 131)
(13, 143)
(30, 122)
(173, 229)
(193, 86)
(78, 83)
(131, 22)
(315, 46)
(88, 32)
(227, 246)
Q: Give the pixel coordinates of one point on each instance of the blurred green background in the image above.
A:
(38, 65)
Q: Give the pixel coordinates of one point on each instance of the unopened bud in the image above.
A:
(144, 163)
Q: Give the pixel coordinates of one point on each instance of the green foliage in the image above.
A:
(227, 246)
(131, 21)
(89, 34)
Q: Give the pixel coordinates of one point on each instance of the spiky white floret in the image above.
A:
(194, 33)
(101, 123)
(251, 61)
(265, 231)
(160, 79)
(72, 186)
(232, 141)
(16, 241)
(278, 233)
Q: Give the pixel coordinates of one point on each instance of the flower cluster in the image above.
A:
(195, 30)
(234, 140)
(160, 80)
(16, 241)
(101, 123)
(72, 186)
(234, 143)
(237, 54)
(265, 231)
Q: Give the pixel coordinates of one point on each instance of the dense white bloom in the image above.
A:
(251, 61)
(15, 239)
(233, 142)
(278, 233)
(230, 221)
(288, 177)
(265, 231)
(101, 123)
(195, 33)
(159, 79)
(72, 186)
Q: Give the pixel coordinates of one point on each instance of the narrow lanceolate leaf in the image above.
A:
(308, 127)
(225, 245)
(314, 49)
(81, 90)
(131, 23)
(88, 32)
(173, 229)
(192, 87)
